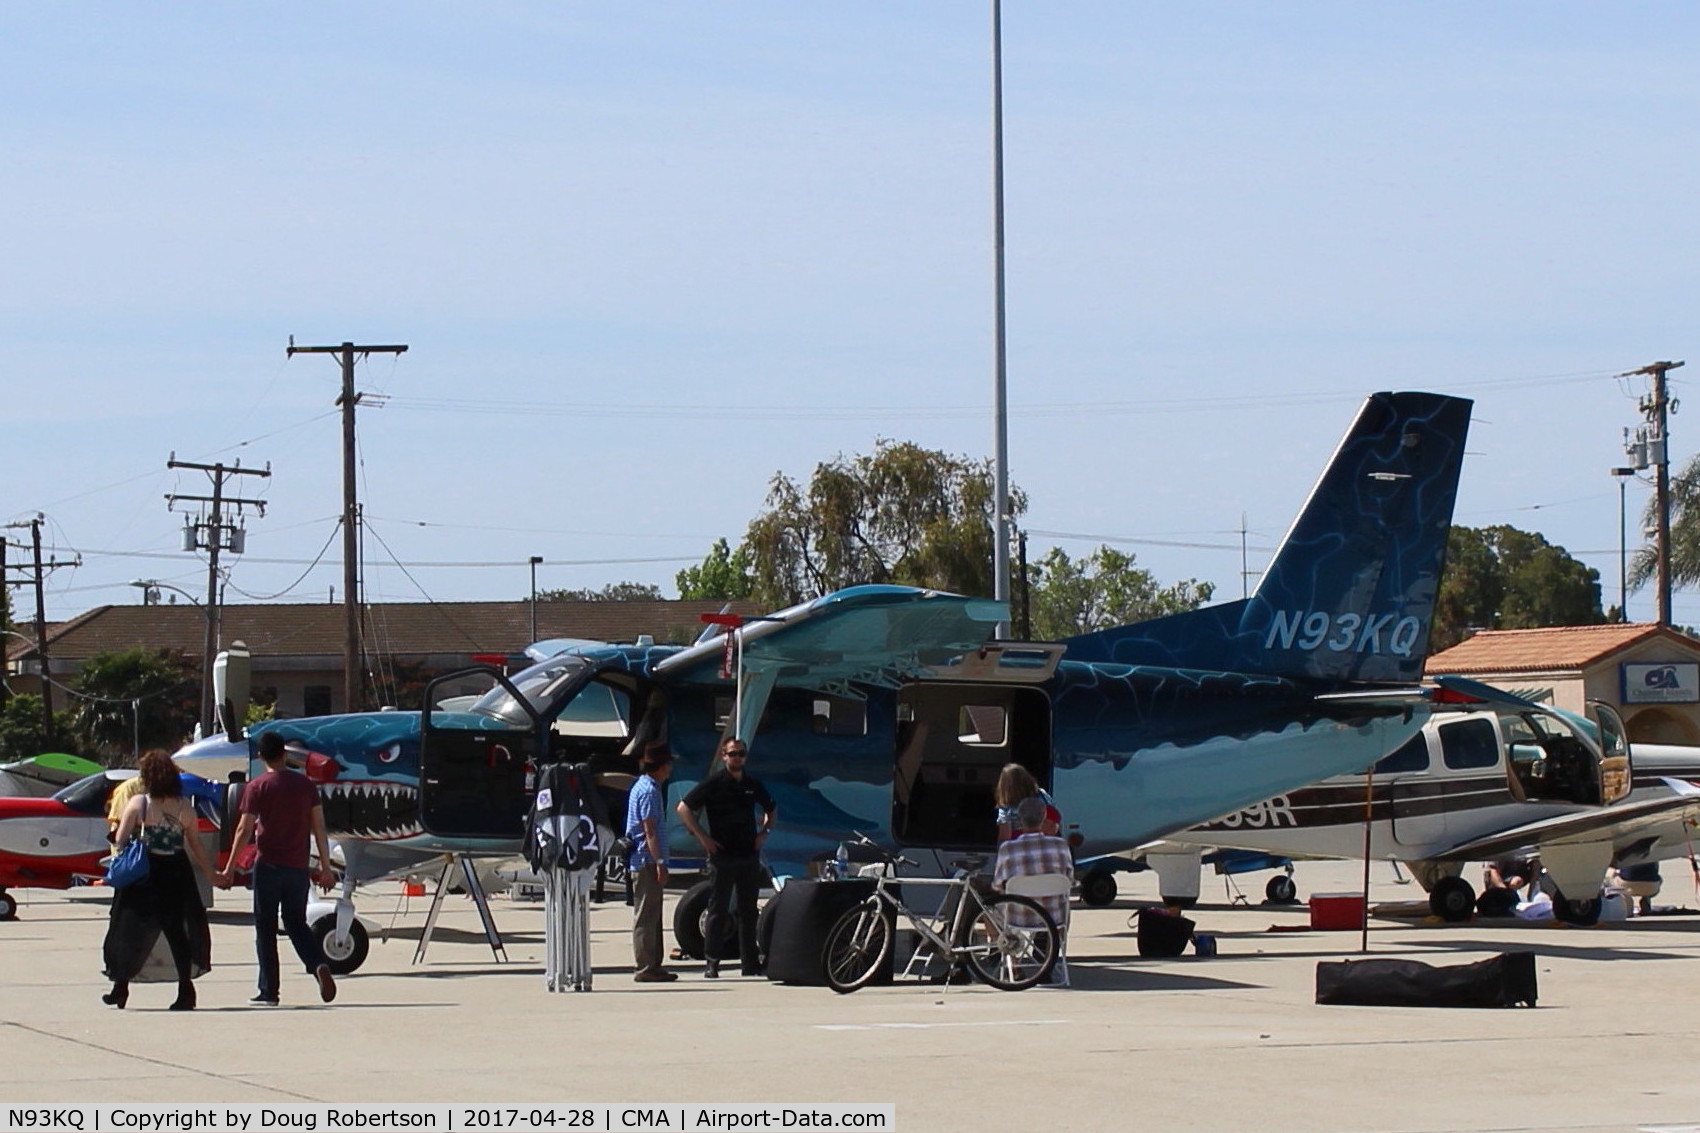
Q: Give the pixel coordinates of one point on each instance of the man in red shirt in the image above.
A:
(280, 809)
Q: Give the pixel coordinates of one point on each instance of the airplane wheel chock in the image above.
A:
(1452, 899)
(347, 955)
(8, 906)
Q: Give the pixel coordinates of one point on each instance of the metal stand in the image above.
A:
(566, 929)
(475, 890)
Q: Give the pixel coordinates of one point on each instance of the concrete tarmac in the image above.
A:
(1234, 1042)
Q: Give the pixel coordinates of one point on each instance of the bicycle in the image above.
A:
(1006, 941)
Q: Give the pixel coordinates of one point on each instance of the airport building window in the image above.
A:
(316, 700)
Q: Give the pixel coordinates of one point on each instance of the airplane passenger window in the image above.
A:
(1469, 743)
(1412, 755)
(982, 725)
(840, 716)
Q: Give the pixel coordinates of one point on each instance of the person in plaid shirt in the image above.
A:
(1032, 851)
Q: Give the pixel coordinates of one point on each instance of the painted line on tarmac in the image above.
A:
(936, 1026)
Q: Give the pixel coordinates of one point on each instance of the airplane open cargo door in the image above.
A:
(477, 769)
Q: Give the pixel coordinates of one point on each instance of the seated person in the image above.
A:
(1032, 851)
(1501, 882)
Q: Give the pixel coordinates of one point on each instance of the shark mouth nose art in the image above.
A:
(373, 810)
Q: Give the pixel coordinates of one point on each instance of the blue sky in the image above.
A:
(647, 255)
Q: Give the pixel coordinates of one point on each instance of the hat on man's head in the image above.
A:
(1030, 813)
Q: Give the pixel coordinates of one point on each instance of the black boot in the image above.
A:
(118, 996)
(185, 1000)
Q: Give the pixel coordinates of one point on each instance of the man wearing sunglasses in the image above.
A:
(730, 799)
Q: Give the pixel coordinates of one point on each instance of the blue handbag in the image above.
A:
(128, 865)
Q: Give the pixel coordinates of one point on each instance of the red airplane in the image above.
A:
(59, 842)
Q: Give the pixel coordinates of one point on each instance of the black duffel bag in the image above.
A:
(1506, 980)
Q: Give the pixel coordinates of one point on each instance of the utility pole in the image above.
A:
(350, 513)
(39, 571)
(1657, 407)
(212, 535)
(1000, 366)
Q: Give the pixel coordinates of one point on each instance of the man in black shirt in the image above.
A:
(729, 799)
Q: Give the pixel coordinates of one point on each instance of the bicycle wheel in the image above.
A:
(1012, 943)
(856, 947)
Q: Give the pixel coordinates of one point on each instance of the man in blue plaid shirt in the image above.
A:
(1032, 851)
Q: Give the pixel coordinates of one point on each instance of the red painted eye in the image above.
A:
(389, 754)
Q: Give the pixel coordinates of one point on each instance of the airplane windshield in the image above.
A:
(87, 795)
(540, 686)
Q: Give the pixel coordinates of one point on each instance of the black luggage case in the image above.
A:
(801, 915)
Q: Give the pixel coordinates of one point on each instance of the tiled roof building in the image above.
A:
(297, 649)
(1649, 673)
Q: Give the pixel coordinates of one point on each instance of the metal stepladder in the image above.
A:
(474, 889)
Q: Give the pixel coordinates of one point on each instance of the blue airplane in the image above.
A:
(889, 710)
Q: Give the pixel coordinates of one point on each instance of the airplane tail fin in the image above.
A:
(1350, 593)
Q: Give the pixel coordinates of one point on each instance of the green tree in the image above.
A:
(22, 735)
(613, 592)
(1684, 533)
(723, 575)
(1103, 589)
(145, 697)
(905, 514)
(1504, 578)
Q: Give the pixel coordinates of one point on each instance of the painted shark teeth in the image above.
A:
(375, 810)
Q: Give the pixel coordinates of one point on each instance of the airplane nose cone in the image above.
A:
(322, 768)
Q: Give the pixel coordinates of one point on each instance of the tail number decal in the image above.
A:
(1343, 633)
(1266, 815)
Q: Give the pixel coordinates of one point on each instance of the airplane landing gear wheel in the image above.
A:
(690, 922)
(345, 955)
(1281, 891)
(8, 906)
(1452, 899)
(1097, 888)
(1582, 913)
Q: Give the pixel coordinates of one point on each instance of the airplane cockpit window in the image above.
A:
(1469, 744)
(597, 710)
(539, 686)
(87, 795)
(982, 725)
(1412, 755)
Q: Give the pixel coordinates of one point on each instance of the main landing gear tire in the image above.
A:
(8, 906)
(345, 955)
(1582, 913)
(1281, 891)
(1097, 888)
(1452, 899)
(690, 923)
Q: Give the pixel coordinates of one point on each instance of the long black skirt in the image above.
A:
(137, 941)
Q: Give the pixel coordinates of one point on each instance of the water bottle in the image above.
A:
(841, 864)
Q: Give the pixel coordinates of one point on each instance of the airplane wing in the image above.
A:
(1618, 824)
(875, 635)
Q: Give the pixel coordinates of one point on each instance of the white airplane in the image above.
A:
(40, 776)
(1493, 776)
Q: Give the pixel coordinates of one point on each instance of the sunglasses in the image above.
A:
(736, 754)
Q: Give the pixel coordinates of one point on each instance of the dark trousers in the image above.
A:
(733, 876)
(280, 889)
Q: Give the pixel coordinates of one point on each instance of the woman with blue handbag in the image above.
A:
(164, 899)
